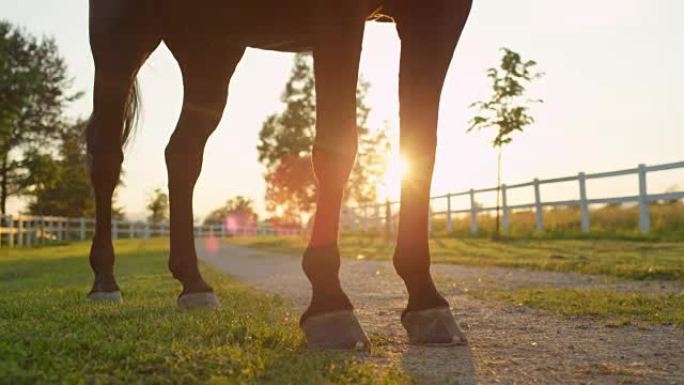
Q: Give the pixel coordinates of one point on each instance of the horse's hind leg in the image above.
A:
(206, 74)
(429, 32)
(119, 49)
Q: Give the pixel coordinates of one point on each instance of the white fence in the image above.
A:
(27, 230)
(381, 217)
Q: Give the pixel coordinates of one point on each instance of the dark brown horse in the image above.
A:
(208, 38)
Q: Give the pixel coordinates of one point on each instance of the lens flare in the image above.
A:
(398, 167)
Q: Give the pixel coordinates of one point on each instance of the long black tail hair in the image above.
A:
(131, 118)
(132, 113)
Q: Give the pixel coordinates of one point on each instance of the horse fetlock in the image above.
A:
(412, 265)
(189, 277)
(321, 263)
(196, 285)
(326, 301)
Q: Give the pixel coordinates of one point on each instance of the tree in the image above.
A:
(285, 146)
(239, 206)
(158, 205)
(59, 184)
(33, 85)
(505, 111)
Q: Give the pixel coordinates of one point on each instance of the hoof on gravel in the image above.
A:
(104, 296)
(337, 330)
(206, 300)
(433, 327)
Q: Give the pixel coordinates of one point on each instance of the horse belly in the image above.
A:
(266, 24)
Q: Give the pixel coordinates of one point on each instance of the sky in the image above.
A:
(613, 98)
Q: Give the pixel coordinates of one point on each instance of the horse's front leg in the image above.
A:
(329, 321)
(206, 74)
(429, 32)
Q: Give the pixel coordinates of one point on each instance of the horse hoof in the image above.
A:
(206, 300)
(433, 327)
(337, 330)
(105, 296)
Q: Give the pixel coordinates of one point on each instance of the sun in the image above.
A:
(398, 167)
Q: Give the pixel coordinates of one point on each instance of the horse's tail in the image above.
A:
(132, 113)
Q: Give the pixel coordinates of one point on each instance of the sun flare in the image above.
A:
(398, 167)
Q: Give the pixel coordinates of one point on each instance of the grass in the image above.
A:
(619, 308)
(49, 332)
(624, 259)
(616, 222)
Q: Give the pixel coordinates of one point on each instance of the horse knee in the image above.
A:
(332, 163)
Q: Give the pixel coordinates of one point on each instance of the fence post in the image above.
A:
(429, 229)
(505, 222)
(584, 204)
(539, 214)
(20, 231)
(60, 230)
(29, 234)
(644, 215)
(10, 233)
(50, 228)
(450, 226)
(115, 229)
(473, 213)
(388, 220)
(378, 219)
(352, 219)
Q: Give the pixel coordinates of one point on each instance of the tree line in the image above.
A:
(42, 155)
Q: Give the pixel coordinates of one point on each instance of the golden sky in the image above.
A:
(613, 97)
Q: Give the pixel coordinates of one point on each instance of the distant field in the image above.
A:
(624, 259)
(49, 332)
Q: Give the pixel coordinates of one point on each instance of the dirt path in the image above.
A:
(508, 344)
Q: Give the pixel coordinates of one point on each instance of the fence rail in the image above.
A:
(28, 230)
(380, 216)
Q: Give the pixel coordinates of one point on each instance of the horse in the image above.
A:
(208, 39)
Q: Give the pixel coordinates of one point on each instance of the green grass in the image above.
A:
(49, 332)
(616, 222)
(619, 308)
(624, 259)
